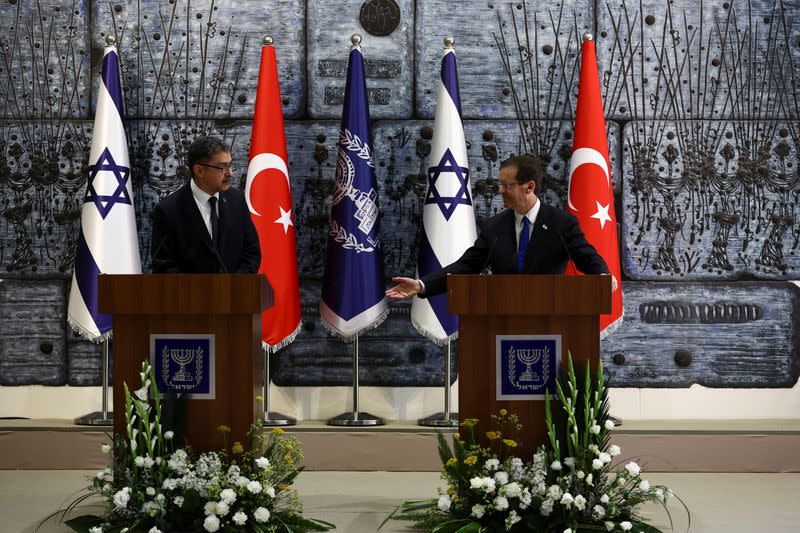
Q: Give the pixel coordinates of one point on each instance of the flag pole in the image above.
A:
(445, 419)
(272, 418)
(103, 417)
(355, 418)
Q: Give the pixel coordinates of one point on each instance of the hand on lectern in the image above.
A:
(405, 288)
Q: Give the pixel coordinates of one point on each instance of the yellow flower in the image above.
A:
(493, 435)
(456, 436)
(259, 399)
(471, 460)
(510, 443)
(451, 490)
(224, 429)
(289, 447)
(469, 422)
(237, 448)
(288, 459)
(282, 486)
(277, 431)
(451, 461)
(503, 412)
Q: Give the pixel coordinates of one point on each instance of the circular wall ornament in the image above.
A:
(379, 17)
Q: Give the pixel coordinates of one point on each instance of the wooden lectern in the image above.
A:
(226, 305)
(488, 306)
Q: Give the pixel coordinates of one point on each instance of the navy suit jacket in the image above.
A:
(181, 243)
(556, 238)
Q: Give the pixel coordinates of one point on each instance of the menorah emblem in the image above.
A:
(529, 357)
(182, 358)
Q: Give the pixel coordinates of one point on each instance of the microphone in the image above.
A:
(219, 259)
(489, 255)
(158, 249)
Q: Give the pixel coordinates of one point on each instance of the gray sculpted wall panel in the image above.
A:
(515, 59)
(190, 60)
(387, 29)
(711, 334)
(44, 70)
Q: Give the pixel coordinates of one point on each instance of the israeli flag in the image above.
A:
(448, 218)
(107, 240)
(353, 287)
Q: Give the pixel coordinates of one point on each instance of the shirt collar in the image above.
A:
(531, 214)
(199, 194)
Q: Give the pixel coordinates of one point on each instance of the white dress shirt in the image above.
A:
(201, 199)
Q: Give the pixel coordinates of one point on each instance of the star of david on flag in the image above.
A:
(107, 239)
(353, 285)
(448, 217)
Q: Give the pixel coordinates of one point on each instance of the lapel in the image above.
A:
(538, 236)
(222, 213)
(192, 213)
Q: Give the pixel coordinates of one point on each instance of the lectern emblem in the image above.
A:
(526, 366)
(184, 364)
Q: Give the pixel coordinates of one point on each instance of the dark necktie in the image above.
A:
(524, 237)
(214, 221)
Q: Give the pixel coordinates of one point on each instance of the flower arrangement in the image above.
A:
(570, 484)
(152, 487)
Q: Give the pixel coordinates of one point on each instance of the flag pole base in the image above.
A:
(273, 419)
(356, 419)
(438, 420)
(96, 418)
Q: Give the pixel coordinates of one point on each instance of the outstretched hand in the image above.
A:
(405, 288)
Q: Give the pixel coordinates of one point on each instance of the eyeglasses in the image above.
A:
(503, 186)
(223, 168)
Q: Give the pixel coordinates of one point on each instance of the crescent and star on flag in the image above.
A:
(590, 156)
(258, 164)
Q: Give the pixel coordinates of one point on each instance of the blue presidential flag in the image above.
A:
(107, 239)
(448, 218)
(353, 286)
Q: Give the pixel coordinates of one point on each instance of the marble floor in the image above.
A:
(357, 502)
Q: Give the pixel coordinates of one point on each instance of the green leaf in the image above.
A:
(84, 523)
(451, 526)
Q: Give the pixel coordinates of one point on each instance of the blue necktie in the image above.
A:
(524, 237)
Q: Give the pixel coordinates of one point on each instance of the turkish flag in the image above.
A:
(269, 198)
(591, 197)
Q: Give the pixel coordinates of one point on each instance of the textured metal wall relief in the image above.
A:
(394, 354)
(42, 183)
(32, 339)
(516, 59)
(712, 334)
(711, 200)
(720, 59)
(44, 59)
(388, 61)
(199, 60)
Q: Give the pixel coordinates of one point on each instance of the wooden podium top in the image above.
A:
(525, 295)
(183, 294)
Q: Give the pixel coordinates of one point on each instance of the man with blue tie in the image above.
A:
(205, 226)
(526, 238)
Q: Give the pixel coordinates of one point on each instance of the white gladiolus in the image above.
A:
(595, 429)
(169, 434)
(567, 500)
(555, 465)
(570, 462)
(609, 425)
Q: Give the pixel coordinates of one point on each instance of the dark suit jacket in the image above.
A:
(181, 242)
(496, 247)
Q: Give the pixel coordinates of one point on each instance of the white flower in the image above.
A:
(222, 508)
(589, 479)
(169, 434)
(626, 526)
(139, 461)
(568, 530)
(148, 462)
(554, 492)
(122, 498)
(660, 495)
(488, 484)
(242, 481)
(609, 525)
(500, 503)
(154, 529)
(633, 468)
(254, 487)
(567, 500)
(609, 425)
(501, 478)
(614, 450)
(512, 490)
(570, 462)
(644, 486)
(597, 464)
(478, 510)
(444, 503)
(160, 499)
(621, 480)
(593, 448)
(598, 512)
(547, 507)
(492, 464)
(555, 465)
(105, 448)
(210, 508)
(606, 458)
(261, 515)
(211, 524)
(580, 474)
(262, 462)
(595, 429)
(604, 498)
(100, 475)
(512, 519)
(239, 518)
(228, 496)
(169, 484)
(270, 492)
(178, 501)
(96, 529)
(141, 393)
(150, 491)
(580, 502)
